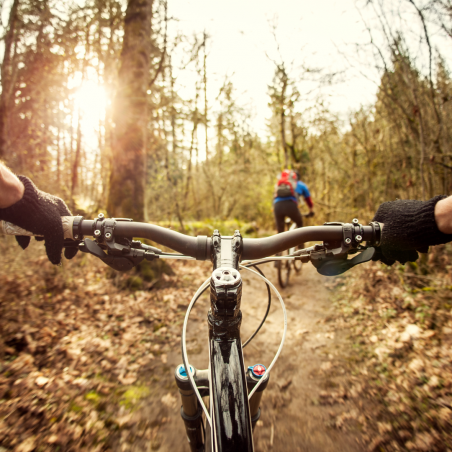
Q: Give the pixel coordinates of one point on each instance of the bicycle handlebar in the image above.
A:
(197, 247)
(264, 247)
(200, 247)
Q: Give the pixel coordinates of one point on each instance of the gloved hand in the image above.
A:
(310, 214)
(40, 213)
(409, 226)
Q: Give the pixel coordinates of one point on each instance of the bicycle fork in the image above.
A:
(191, 411)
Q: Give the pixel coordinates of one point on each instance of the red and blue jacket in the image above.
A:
(302, 190)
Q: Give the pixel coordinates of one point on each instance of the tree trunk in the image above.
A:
(205, 96)
(58, 158)
(127, 179)
(282, 123)
(192, 143)
(76, 163)
(7, 73)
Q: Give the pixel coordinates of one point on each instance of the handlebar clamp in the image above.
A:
(109, 229)
(376, 240)
(347, 230)
(77, 228)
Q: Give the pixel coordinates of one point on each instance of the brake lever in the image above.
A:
(93, 248)
(122, 263)
(336, 265)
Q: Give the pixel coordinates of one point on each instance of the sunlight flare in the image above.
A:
(91, 100)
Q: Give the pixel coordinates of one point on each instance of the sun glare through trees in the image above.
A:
(91, 102)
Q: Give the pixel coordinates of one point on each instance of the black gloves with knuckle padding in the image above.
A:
(409, 227)
(40, 213)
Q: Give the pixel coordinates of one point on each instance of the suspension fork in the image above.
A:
(255, 401)
(191, 411)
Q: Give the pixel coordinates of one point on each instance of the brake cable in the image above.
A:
(198, 293)
(266, 313)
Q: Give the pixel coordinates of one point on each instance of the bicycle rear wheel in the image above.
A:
(284, 267)
(298, 265)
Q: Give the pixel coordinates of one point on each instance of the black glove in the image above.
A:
(40, 213)
(409, 225)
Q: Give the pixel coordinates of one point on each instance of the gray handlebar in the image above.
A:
(200, 247)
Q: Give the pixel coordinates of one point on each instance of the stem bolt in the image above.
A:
(348, 241)
(97, 233)
(355, 221)
(101, 215)
(358, 238)
(108, 235)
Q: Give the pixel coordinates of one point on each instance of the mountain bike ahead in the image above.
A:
(234, 390)
(284, 267)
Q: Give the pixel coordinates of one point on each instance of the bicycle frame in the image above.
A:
(228, 382)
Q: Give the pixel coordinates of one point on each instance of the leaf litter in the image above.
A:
(80, 352)
(400, 319)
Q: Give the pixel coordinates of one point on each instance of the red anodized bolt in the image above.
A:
(259, 370)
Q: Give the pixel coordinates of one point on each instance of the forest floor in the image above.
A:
(87, 364)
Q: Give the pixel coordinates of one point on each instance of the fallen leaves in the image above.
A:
(76, 352)
(26, 446)
(169, 400)
(416, 365)
(41, 381)
(413, 331)
(423, 442)
(403, 334)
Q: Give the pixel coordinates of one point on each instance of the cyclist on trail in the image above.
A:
(22, 204)
(288, 190)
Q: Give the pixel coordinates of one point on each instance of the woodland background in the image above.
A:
(146, 163)
(83, 351)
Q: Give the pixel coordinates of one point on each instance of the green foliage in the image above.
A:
(225, 227)
(133, 395)
(93, 397)
(73, 406)
(135, 282)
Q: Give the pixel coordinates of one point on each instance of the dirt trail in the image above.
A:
(302, 406)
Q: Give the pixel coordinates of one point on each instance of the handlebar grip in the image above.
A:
(8, 228)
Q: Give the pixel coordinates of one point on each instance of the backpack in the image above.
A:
(286, 185)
